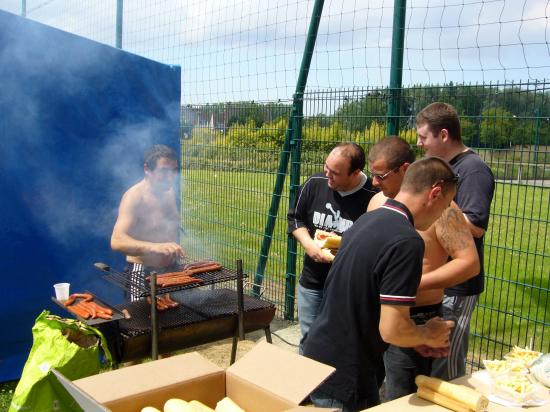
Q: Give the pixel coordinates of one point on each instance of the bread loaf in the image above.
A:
(429, 395)
(467, 396)
(227, 405)
(177, 405)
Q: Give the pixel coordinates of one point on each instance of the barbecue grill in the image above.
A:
(204, 315)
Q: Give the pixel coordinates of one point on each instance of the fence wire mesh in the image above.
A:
(240, 60)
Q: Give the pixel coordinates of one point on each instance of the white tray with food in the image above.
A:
(523, 355)
(512, 390)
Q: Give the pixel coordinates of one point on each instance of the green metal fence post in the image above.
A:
(292, 245)
(23, 8)
(396, 70)
(119, 9)
(283, 160)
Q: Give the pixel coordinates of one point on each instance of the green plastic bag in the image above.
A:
(70, 346)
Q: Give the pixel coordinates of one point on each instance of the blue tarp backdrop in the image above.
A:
(75, 119)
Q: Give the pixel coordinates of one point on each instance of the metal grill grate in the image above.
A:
(122, 279)
(196, 305)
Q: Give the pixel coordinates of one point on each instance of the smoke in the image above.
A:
(77, 117)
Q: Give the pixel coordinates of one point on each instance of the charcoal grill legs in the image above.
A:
(240, 298)
(267, 331)
(154, 323)
(234, 349)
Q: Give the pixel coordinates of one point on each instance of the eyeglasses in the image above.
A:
(453, 179)
(383, 176)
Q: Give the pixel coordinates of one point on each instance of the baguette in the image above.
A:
(467, 396)
(432, 396)
(177, 405)
(227, 405)
(200, 407)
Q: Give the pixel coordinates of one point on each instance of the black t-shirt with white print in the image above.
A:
(379, 262)
(319, 207)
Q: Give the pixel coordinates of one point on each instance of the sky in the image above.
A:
(236, 50)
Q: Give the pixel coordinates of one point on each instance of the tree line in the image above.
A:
(491, 117)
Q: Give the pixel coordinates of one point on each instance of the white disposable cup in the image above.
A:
(62, 291)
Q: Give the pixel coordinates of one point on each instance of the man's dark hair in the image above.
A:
(354, 153)
(157, 152)
(439, 116)
(428, 172)
(394, 150)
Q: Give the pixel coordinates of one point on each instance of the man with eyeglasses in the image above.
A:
(448, 237)
(146, 229)
(371, 286)
(329, 201)
(439, 134)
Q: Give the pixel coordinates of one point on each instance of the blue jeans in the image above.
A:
(459, 309)
(323, 400)
(404, 364)
(309, 301)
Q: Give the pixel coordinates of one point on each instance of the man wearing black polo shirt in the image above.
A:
(330, 201)
(371, 286)
(439, 134)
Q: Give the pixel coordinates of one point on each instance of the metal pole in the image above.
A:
(154, 322)
(283, 160)
(119, 9)
(396, 71)
(240, 299)
(291, 254)
(24, 8)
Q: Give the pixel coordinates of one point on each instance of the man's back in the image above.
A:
(366, 268)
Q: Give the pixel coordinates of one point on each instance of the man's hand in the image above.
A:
(170, 251)
(437, 332)
(314, 251)
(428, 352)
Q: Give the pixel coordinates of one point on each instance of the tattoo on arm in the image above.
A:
(452, 231)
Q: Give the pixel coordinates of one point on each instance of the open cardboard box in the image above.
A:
(267, 378)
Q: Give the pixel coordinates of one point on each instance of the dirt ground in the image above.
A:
(220, 352)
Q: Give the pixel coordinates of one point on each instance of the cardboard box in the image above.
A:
(267, 379)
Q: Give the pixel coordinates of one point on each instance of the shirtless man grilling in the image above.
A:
(448, 237)
(147, 226)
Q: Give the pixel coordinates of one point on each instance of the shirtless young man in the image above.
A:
(448, 237)
(147, 226)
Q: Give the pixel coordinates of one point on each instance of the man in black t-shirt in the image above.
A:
(371, 286)
(439, 134)
(330, 201)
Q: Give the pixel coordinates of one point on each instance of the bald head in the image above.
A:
(353, 153)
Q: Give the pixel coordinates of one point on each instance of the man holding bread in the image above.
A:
(371, 286)
(448, 237)
(330, 202)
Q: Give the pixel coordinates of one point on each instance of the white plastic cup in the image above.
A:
(62, 291)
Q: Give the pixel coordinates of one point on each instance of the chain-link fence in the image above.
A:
(240, 60)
